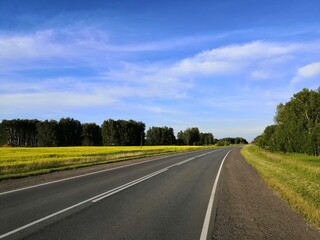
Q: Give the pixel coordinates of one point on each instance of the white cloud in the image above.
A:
(80, 44)
(240, 59)
(160, 110)
(93, 47)
(67, 92)
(36, 45)
(310, 70)
(132, 82)
(22, 103)
(260, 75)
(195, 67)
(250, 51)
(307, 71)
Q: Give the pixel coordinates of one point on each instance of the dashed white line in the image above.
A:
(130, 184)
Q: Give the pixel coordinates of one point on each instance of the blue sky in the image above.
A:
(222, 66)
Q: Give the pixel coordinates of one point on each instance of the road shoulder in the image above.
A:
(248, 209)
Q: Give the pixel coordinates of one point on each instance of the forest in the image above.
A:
(297, 125)
(71, 132)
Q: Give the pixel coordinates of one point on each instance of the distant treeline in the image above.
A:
(71, 132)
(297, 125)
(230, 141)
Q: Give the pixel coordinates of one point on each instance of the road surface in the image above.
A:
(159, 199)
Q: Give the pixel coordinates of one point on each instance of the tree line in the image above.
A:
(297, 125)
(230, 141)
(32, 133)
(71, 132)
(192, 136)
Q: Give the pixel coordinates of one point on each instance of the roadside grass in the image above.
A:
(294, 177)
(20, 162)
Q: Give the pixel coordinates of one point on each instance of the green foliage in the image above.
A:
(230, 141)
(47, 133)
(91, 134)
(70, 132)
(19, 132)
(206, 139)
(122, 133)
(191, 136)
(3, 135)
(297, 125)
(160, 136)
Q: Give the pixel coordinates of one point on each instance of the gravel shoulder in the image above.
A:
(248, 209)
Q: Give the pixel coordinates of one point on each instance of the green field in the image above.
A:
(294, 177)
(20, 162)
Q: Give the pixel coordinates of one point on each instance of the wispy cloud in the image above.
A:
(256, 60)
(71, 44)
(260, 74)
(306, 72)
(236, 78)
(250, 51)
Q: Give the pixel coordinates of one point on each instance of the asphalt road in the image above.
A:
(159, 199)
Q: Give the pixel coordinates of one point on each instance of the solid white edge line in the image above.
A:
(205, 228)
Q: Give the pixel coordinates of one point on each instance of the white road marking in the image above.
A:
(93, 199)
(98, 197)
(88, 174)
(185, 161)
(205, 228)
(190, 159)
(130, 184)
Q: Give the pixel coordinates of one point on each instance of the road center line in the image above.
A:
(190, 159)
(123, 187)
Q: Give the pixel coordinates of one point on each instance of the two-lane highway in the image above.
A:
(160, 199)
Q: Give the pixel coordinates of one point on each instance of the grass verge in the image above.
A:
(294, 177)
(21, 162)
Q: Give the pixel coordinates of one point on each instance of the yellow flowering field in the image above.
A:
(19, 162)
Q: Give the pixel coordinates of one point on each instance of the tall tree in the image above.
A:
(91, 134)
(19, 132)
(160, 136)
(192, 136)
(297, 125)
(109, 133)
(70, 132)
(206, 139)
(47, 133)
(181, 138)
(123, 133)
(3, 134)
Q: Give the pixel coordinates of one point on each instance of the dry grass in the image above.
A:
(295, 177)
(20, 162)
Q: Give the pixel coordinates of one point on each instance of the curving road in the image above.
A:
(159, 199)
